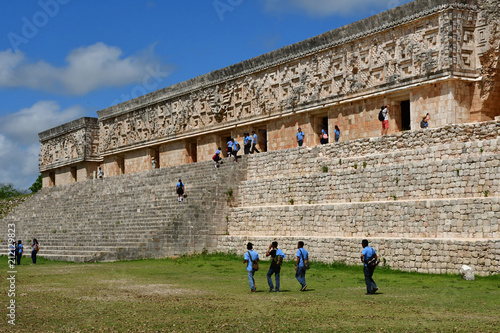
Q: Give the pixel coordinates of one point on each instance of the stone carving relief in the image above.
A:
(415, 49)
(67, 147)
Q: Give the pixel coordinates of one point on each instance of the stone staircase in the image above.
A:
(427, 200)
(131, 216)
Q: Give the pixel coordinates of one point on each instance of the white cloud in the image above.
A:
(19, 146)
(331, 7)
(87, 69)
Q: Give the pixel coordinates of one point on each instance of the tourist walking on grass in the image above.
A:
(301, 265)
(369, 259)
(35, 247)
(251, 258)
(254, 142)
(337, 133)
(217, 157)
(277, 257)
(19, 252)
(180, 188)
(300, 137)
(384, 118)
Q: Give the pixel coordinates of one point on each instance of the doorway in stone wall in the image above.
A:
(262, 139)
(52, 179)
(405, 116)
(120, 163)
(192, 152)
(223, 140)
(156, 155)
(73, 174)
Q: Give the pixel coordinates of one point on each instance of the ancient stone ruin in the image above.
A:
(427, 199)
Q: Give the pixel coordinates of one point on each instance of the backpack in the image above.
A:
(422, 124)
(213, 157)
(381, 115)
(36, 248)
(325, 136)
(238, 147)
(278, 260)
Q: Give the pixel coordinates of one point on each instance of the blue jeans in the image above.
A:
(251, 279)
(300, 142)
(300, 275)
(276, 277)
(33, 256)
(370, 284)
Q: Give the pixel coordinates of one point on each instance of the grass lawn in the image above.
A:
(210, 293)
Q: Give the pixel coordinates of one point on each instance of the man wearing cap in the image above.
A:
(250, 257)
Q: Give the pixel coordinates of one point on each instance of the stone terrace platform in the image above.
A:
(428, 201)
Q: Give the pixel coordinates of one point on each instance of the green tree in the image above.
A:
(37, 185)
(8, 191)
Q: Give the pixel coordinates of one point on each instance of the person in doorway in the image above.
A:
(337, 133)
(180, 188)
(300, 269)
(324, 136)
(35, 247)
(230, 147)
(250, 258)
(254, 142)
(385, 122)
(247, 143)
(277, 257)
(100, 173)
(300, 137)
(153, 163)
(425, 121)
(367, 254)
(19, 252)
(217, 157)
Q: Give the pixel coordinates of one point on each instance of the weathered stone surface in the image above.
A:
(467, 273)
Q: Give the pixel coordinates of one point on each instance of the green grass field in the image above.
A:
(210, 293)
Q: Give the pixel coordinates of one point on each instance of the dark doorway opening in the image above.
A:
(405, 116)
(52, 179)
(73, 174)
(193, 152)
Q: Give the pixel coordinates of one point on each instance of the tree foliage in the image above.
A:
(37, 185)
(8, 191)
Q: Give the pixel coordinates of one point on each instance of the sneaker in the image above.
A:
(252, 290)
(304, 287)
(375, 290)
(270, 290)
(276, 291)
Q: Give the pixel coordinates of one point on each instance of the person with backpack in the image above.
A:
(277, 257)
(324, 137)
(383, 116)
(35, 247)
(217, 157)
(251, 258)
(230, 147)
(301, 265)
(180, 190)
(19, 252)
(369, 259)
(425, 121)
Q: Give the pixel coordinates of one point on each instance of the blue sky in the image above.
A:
(65, 59)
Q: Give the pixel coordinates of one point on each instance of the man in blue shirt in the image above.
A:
(254, 142)
(19, 252)
(230, 147)
(247, 143)
(250, 257)
(275, 267)
(235, 148)
(300, 137)
(300, 269)
(367, 254)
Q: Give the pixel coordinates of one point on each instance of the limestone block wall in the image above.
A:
(424, 255)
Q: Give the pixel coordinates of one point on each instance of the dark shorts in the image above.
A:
(180, 191)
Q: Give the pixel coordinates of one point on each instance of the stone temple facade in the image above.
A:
(435, 56)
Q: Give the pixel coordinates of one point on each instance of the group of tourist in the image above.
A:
(251, 259)
(384, 118)
(323, 137)
(16, 251)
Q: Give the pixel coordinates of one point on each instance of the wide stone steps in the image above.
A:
(432, 218)
(457, 178)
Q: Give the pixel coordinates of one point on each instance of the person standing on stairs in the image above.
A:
(217, 158)
(180, 190)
